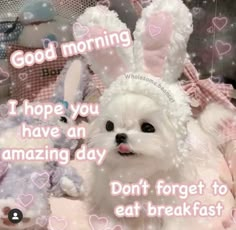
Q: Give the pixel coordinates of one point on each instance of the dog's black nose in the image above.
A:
(121, 138)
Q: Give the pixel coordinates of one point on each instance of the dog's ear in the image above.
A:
(161, 38)
(104, 25)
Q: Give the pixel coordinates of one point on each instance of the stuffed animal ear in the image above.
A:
(161, 38)
(109, 43)
(71, 82)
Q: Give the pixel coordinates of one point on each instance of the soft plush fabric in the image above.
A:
(34, 35)
(37, 11)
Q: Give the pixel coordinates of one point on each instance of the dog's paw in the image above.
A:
(71, 187)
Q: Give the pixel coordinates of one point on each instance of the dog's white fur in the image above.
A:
(154, 160)
(163, 154)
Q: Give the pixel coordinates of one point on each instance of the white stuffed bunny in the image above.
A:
(26, 185)
(146, 124)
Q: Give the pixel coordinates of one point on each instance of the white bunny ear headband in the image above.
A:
(152, 65)
(159, 48)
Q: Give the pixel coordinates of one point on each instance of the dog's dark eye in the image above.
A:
(109, 126)
(63, 119)
(147, 128)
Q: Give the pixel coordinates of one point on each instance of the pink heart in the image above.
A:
(80, 30)
(154, 31)
(222, 48)
(26, 200)
(3, 167)
(3, 75)
(57, 223)
(3, 110)
(220, 22)
(42, 221)
(40, 180)
(23, 76)
(97, 223)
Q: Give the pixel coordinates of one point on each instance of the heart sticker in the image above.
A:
(23, 76)
(42, 221)
(154, 31)
(222, 48)
(220, 22)
(40, 180)
(96, 222)
(25, 199)
(80, 30)
(56, 223)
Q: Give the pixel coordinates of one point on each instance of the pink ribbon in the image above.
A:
(204, 91)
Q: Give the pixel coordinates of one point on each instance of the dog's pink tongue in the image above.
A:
(123, 148)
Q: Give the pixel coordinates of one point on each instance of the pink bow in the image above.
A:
(202, 92)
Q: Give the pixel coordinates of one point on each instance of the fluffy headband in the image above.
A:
(151, 65)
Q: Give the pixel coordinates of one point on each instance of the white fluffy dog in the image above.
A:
(142, 143)
(145, 122)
